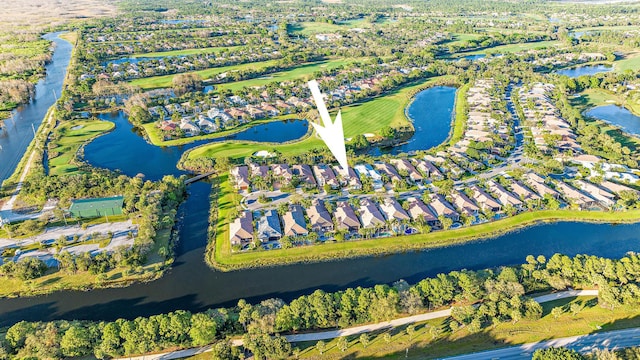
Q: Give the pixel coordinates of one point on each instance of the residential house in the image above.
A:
(429, 170)
(304, 174)
(538, 184)
(604, 196)
(484, 200)
(389, 170)
(269, 226)
(392, 210)
(504, 197)
(259, 170)
(319, 218)
(346, 218)
(325, 176)
(420, 212)
(404, 165)
(241, 177)
(615, 187)
(441, 207)
(294, 223)
(366, 170)
(348, 178)
(241, 229)
(464, 204)
(282, 174)
(370, 216)
(189, 128)
(575, 196)
(523, 192)
(206, 125)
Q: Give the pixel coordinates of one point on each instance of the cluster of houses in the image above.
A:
(381, 217)
(598, 167)
(548, 129)
(567, 59)
(226, 112)
(381, 176)
(487, 122)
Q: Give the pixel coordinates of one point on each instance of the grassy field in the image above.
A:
(630, 62)
(459, 38)
(225, 260)
(162, 81)
(71, 140)
(510, 48)
(461, 115)
(301, 71)
(311, 28)
(423, 346)
(597, 97)
(366, 117)
(209, 50)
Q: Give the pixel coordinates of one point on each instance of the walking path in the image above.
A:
(331, 334)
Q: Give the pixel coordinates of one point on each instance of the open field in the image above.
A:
(460, 38)
(423, 346)
(310, 28)
(71, 140)
(225, 260)
(630, 62)
(209, 50)
(366, 117)
(53, 12)
(164, 81)
(510, 48)
(297, 72)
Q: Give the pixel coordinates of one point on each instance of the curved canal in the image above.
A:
(18, 133)
(191, 285)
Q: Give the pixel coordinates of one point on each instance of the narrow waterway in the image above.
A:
(18, 133)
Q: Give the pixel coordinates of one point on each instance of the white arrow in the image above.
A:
(331, 133)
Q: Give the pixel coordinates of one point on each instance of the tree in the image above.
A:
(557, 354)
(139, 115)
(575, 308)
(387, 132)
(222, 351)
(321, 346)
(556, 312)
(387, 337)
(364, 340)
(75, 342)
(411, 331)
(184, 83)
(203, 329)
(446, 222)
(343, 344)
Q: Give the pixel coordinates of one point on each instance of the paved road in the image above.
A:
(331, 334)
(583, 344)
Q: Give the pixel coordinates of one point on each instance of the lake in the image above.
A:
(577, 71)
(123, 148)
(430, 112)
(617, 115)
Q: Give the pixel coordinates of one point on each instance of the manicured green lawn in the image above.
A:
(71, 140)
(502, 49)
(424, 346)
(297, 72)
(208, 50)
(459, 38)
(630, 62)
(164, 81)
(310, 28)
(366, 117)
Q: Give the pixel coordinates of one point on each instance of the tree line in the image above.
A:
(498, 295)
